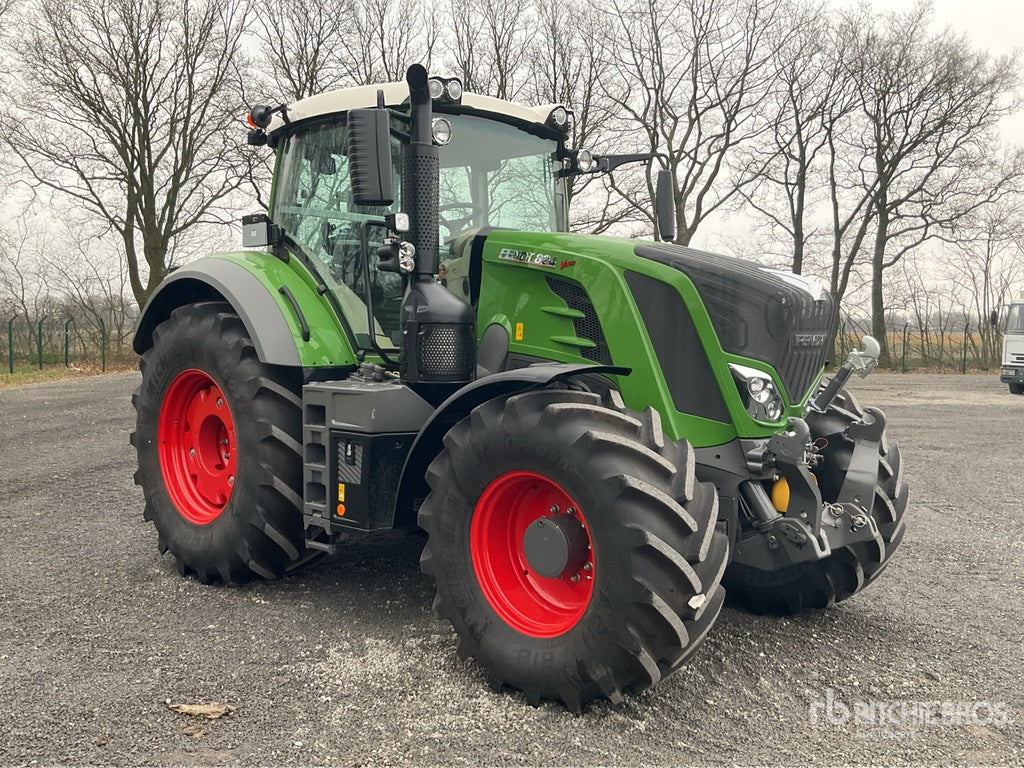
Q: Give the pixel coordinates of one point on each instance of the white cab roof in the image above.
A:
(363, 96)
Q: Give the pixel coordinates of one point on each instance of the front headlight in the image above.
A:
(758, 392)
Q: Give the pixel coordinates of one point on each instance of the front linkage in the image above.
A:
(813, 542)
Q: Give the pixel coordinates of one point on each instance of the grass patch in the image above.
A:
(52, 373)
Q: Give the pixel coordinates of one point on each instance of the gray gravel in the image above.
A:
(344, 664)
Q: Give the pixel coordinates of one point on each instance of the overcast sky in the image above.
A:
(997, 25)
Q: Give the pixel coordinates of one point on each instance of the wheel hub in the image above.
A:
(196, 437)
(532, 553)
(556, 546)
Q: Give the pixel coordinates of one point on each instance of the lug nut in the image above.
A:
(191, 451)
(554, 509)
(571, 511)
(231, 479)
(574, 578)
(220, 402)
(588, 567)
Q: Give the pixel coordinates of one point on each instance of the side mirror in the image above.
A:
(369, 156)
(665, 205)
(994, 318)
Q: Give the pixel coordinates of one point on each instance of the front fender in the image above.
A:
(254, 284)
(430, 440)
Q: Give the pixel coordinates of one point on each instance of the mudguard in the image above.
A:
(288, 322)
(430, 440)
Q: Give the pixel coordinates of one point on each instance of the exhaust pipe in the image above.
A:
(439, 330)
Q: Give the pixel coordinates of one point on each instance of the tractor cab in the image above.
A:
(500, 166)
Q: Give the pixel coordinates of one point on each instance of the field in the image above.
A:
(345, 664)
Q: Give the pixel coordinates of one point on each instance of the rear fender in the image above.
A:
(260, 288)
(430, 440)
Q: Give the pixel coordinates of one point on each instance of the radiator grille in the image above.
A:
(759, 313)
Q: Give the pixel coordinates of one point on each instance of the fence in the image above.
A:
(936, 347)
(50, 342)
(59, 341)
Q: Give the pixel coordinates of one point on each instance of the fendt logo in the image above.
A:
(809, 340)
(528, 257)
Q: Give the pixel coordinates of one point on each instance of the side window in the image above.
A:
(1015, 319)
(313, 202)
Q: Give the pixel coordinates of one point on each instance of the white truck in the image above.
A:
(1012, 372)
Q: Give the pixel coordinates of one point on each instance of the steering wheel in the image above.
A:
(456, 224)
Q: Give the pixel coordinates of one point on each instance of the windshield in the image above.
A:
(1015, 319)
(492, 174)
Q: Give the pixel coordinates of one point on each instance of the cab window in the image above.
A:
(313, 203)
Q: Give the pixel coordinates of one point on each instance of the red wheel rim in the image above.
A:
(529, 602)
(196, 439)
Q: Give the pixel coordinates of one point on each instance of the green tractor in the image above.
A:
(595, 434)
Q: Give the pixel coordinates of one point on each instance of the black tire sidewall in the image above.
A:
(185, 346)
(601, 630)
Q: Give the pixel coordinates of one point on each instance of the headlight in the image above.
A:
(436, 88)
(441, 130)
(760, 396)
(454, 90)
(585, 161)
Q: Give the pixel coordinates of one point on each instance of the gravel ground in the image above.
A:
(344, 664)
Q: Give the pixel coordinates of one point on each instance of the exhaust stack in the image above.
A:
(439, 334)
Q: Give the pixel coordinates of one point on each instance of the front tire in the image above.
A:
(1016, 389)
(219, 454)
(573, 551)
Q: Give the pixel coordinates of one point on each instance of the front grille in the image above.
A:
(586, 327)
(758, 313)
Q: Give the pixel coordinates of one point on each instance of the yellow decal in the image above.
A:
(341, 491)
(519, 331)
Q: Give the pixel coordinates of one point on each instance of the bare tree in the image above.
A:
(694, 76)
(923, 148)
(487, 44)
(387, 37)
(301, 45)
(24, 279)
(131, 108)
(987, 259)
(811, 99)
(563, 67)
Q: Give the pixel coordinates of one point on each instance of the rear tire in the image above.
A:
(218, 439)
(848, 570)
(641, 538)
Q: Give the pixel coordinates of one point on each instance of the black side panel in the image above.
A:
(684, 362)
(363, 476)
(586, 327)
